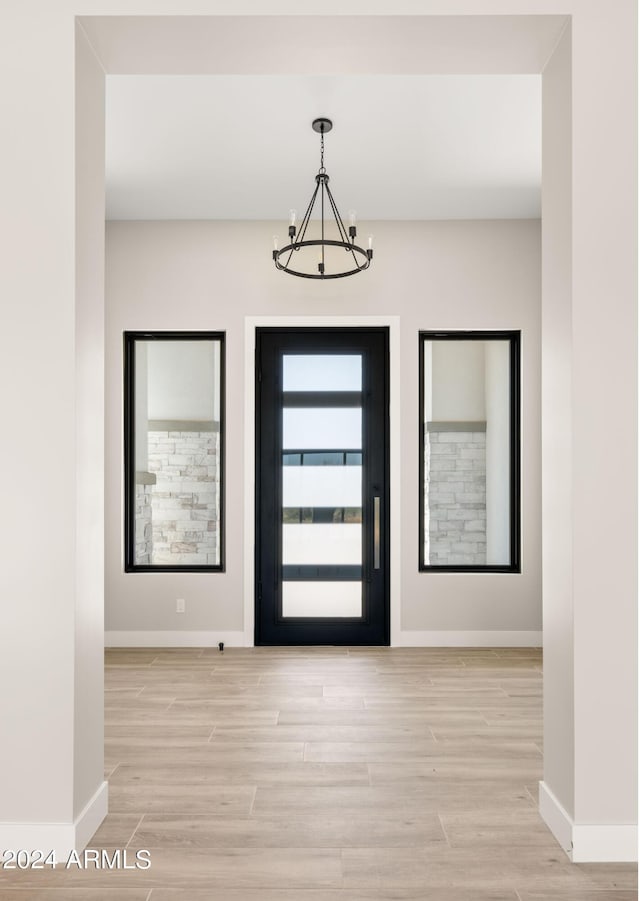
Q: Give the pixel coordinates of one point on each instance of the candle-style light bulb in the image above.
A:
(370, 242)
(292, 224)
(275, 242)
(352, 225)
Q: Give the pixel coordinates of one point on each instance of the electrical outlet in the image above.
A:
(179, 605)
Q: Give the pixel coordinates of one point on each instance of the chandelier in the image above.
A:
(326, 256)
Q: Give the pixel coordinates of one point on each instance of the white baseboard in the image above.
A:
(88, 822)
(168, 639)
(61, 838)
(416, 639)
(469, 639)
(605, 843)
(556, 818)
(588, 843)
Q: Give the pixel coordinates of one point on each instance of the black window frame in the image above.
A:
(129, 341)
(515, 403)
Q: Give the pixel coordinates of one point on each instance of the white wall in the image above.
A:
(605, 483)
(179, 275)
(557, 496)
(141, 407)
(589, 313)
(427, 374)
(457, 379)
(182, 378)
(88, 759)
(37, 639)
(496, 386)
(52, 793)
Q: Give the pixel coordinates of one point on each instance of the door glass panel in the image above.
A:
(322, 372)
(323, 543)
(321, 427)
(321, 486)
(322, 489)
(322, 599)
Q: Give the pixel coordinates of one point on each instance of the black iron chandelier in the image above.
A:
(323, 257)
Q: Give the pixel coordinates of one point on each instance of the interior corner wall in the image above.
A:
(88, 758)
(589, 445)
(193, 276)
(557, 485)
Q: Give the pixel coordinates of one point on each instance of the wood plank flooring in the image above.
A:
(326, 774)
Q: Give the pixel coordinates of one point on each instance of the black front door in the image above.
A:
(322, 500)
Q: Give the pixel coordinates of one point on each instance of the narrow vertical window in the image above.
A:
(174, 453)
(470, 451)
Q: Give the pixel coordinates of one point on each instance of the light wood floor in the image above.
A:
(326, 774)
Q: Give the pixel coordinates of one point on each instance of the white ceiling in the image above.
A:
(402, 147)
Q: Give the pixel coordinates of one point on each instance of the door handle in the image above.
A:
(376, 532)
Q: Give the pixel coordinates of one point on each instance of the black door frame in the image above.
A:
(368, 630)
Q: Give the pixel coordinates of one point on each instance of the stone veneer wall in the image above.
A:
(144, 538)
(456, 494)
(186, 496)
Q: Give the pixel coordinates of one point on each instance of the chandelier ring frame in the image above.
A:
(297, 245)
